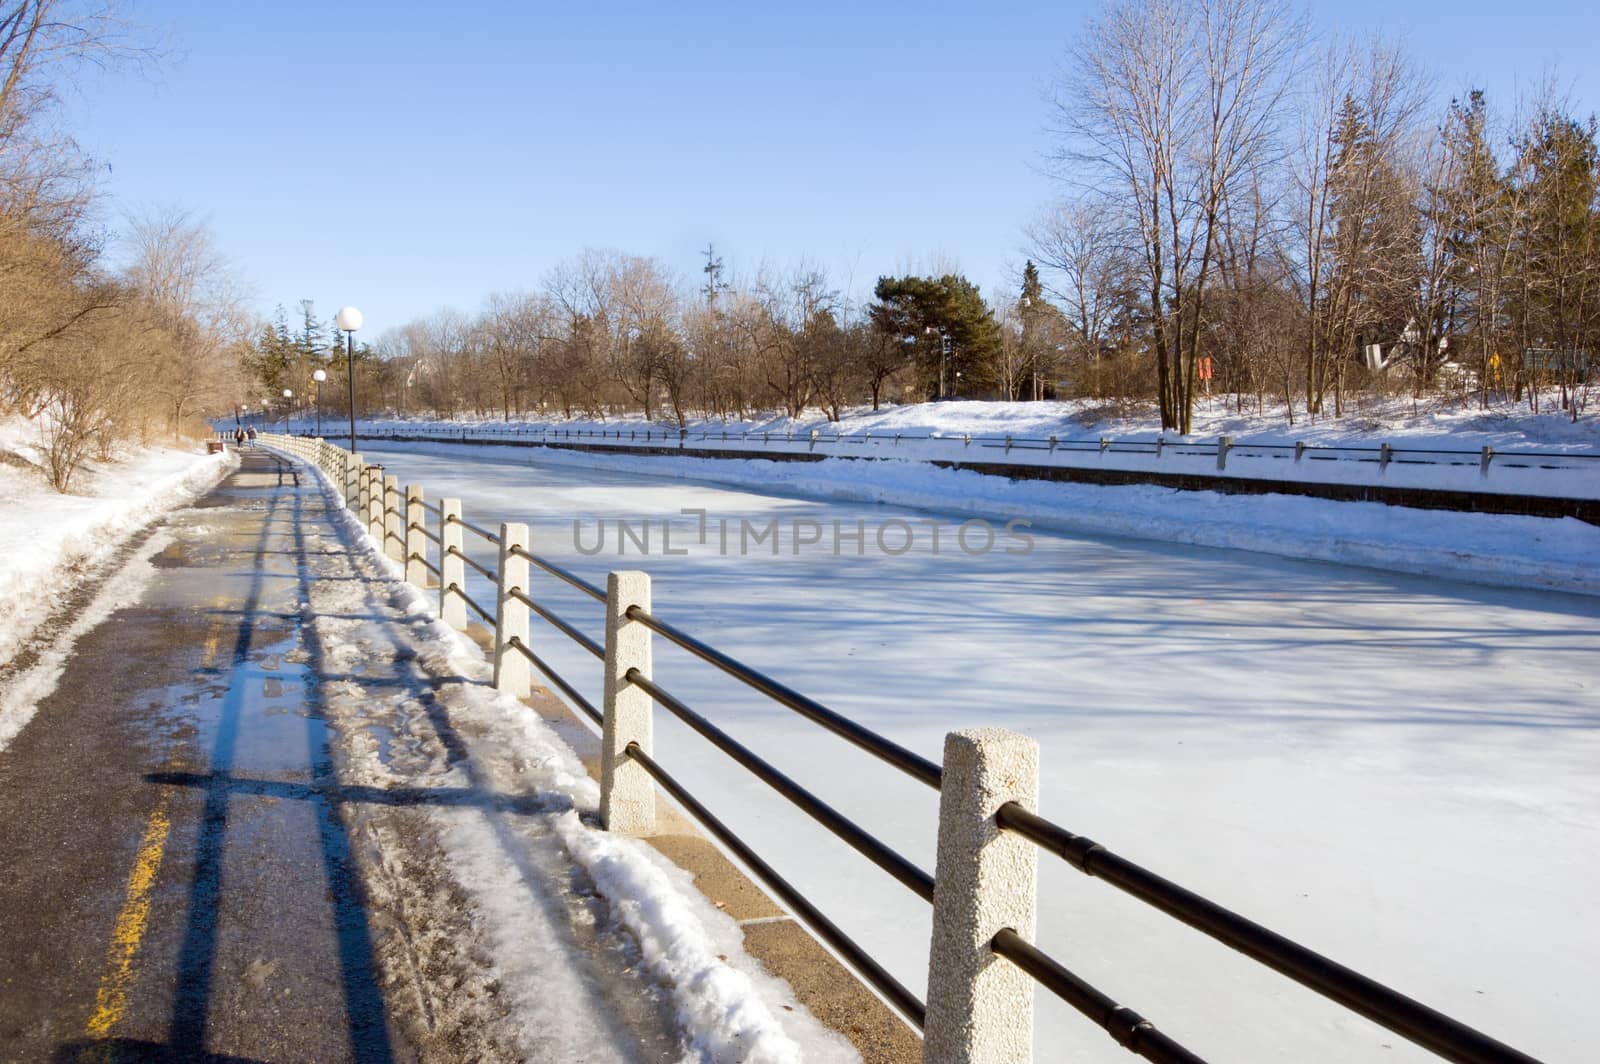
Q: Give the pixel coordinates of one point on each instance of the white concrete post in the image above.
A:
(980, 1005)
(352, 481)
(375, 505)
(416, 542)
(363, 482)
(452, 572)
(627, 793)
(511, 616)
(321, 459)
(394, 540)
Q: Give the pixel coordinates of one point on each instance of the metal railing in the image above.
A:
(960, 1013)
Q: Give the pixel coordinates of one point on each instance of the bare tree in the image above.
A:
(195, 299)
(1170, 104)
(1350, 214)
(1080, 245)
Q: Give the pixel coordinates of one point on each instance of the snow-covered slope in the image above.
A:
(1365, 422)
(1504, 453)
(50, 541)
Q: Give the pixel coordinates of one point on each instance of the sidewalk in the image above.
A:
(206, 852)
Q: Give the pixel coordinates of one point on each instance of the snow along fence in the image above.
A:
(982, 962)
(1539, 482)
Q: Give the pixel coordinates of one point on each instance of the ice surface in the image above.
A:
(1395, 769)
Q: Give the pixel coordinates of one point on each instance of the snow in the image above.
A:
(1440, 422)
(1487, 548)
(1395, 769)
(49, 542)
(726, 1007)
(1440, 450)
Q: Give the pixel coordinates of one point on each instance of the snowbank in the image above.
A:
(727, 1008)
(1497, 549)
(1493, 452)
(1366, 422)
(49, 542)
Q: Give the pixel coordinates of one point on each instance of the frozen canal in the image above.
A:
(1403, 773)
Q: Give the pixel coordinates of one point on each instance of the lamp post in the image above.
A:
(288, 410)
(944, 355)
(348, 320)
(319, 376)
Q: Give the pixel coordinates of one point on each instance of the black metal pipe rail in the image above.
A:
(556, 678)
(907, 874)
(870, 970)
(492, 576)
(593, 591)
(1404, 1016)
(571, 632)
(412, 526)
(1428, 1028)
(414, 556)
(912, 764)
(479, 610)
(1129, 1029)
(485, 533)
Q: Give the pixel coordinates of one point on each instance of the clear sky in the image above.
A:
(404, 156)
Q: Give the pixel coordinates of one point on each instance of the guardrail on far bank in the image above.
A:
(1534, 482)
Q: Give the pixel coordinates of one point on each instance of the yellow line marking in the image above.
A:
(112, 999)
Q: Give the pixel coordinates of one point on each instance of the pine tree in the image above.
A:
(1479, 230)
(930, 312)
(272, 356)
(1372, 280)
(1557, 298)
(1030, 303)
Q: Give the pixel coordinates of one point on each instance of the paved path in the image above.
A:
(188, 873)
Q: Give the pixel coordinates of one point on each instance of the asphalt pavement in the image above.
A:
(182, 875)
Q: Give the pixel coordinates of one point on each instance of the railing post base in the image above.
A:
(627, 793)
(980, 1005)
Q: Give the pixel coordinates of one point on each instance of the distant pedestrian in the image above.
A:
(251, 434)
(238, 437)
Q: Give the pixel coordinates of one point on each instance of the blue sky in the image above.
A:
(405, 157)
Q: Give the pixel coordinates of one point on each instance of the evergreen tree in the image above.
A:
(1558, 296)
(926, 313)
(272, 356)
(310, 345)
(1375, 256)
(1479, 229)
(1044, 335)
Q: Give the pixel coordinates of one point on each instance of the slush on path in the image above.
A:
(267, 814)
